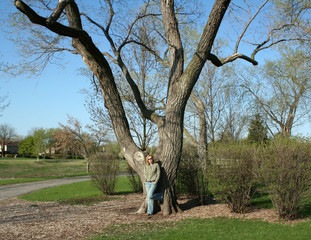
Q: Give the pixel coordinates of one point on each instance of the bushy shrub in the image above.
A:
(192, 175)
(231, 177)
(134, 180)
(104, 170)
(285, 167)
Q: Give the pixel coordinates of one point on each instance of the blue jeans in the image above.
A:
(151, 196)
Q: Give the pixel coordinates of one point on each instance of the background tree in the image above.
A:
(66, 144)
(40, 141)
(216, 99)
(235, 117)
(180, 80)
(50, 141)
(283, 91)
(257, 132)
(113, 149)
(6, 134)
(72, 136)
(26, 147)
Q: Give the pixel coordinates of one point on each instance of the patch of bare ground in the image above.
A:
(23, 220)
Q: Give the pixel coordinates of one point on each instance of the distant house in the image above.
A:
(10, 148)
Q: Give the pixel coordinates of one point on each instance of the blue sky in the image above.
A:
(45, 101)
(42, 101)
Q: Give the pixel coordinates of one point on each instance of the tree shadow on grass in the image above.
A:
(123, 192)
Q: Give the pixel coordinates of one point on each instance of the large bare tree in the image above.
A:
(282, 90)
(180, 80)
(83, 143)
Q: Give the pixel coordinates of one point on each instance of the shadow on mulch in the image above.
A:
(187, 204)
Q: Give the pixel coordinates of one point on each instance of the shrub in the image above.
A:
(285, 167)
(134, 180)
(231, 175)
(192, 175)
(104, 169)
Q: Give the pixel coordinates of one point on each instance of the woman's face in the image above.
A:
(150, 159)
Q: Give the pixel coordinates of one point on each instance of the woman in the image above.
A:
(152, 176)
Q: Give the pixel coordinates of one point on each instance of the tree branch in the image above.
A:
(203, 51)
(264, 106)
(55, 27)
(111, 58)
(111, 14)
(125, 41)
(105, 31)
(176, 52)
(246, 27)
(234, 57)
(159, 59)
(190, 137)
(147, 113)
(58, 11)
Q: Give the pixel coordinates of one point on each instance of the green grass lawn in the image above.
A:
(29, 167)
(29, 170)
(79, 192)
(217, 228)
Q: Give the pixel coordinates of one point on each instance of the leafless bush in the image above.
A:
(285, 167)
(104, 170)
(231, 175)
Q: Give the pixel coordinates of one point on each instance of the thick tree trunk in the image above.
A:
(170, 205)
(169, 154)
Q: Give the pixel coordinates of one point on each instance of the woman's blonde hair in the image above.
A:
(149, 155)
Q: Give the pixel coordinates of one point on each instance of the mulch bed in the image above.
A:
(25, 220)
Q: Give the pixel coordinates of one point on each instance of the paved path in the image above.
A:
(13, 190)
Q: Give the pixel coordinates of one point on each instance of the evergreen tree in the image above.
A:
(257, 132)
